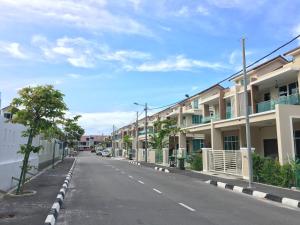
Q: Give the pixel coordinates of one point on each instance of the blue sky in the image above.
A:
(105, 55)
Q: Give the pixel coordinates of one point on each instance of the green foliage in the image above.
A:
(196, 161)
(39, 109)
(269, 171)
(162, 130)
(72, 132)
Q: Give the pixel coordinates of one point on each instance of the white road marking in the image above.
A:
(141, 182)
(187, 207)
(158, 191)
(130, 176)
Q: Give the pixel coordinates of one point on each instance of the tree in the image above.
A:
(127, 141)
(38, 109)
(162, 130)
(72, 131)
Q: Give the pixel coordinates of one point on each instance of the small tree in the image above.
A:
(72, 131)
(163, 129)
(38, 109)
(127, 141)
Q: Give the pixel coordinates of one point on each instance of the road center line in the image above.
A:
(141, 182)
(130, 176)
(158, 191)
(187, 207)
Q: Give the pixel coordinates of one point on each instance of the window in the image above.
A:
(231, 143)
(293, 88)
(282, 91)
(196, 119)
(228, 109)
(267, 97)
(195, 104)
(197, 144)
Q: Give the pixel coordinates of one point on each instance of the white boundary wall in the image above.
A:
(11, 161)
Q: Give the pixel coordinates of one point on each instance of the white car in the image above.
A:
(106, 153)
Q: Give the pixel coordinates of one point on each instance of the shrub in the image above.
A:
(269, 171)
(196, 162)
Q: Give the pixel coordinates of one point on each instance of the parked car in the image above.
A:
(98, 152)
(106, 153)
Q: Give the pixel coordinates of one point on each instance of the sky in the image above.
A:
(104, 55)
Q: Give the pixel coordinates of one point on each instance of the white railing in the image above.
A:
(225, 161)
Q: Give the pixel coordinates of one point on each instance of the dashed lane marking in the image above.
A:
(187, 207)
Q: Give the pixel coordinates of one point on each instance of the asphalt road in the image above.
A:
(113, 192)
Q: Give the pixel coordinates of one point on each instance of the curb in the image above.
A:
(162, 169)
(135, 163)
(268, 196)
(57, 205)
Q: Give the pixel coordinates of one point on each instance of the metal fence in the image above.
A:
(225, 161)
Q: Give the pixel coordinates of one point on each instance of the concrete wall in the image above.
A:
(10, 160)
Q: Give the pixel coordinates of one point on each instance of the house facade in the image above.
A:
(214, 119)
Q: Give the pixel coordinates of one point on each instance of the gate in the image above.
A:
(225, 161)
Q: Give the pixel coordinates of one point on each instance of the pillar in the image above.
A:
(222, 110)
(182, 145)
(254, 91)
(165, 156)
(216, 139)
(205, 159)
(206, 110)
(245, 165)
(236, 103)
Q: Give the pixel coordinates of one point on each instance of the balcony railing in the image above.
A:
(270, 105)
(204, 120)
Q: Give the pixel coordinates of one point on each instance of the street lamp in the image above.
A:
(146, 128)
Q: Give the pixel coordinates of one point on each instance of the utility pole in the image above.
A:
(113, 141)
(146, 133)
(137, 136)
(248, 135)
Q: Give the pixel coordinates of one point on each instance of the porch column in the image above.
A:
(165, 156)
(222, 105)
(242, 136)
(284, 129)
(205, 159)
(205, 110)
(236, 103)
(182, 145)
(216, 139)
(254, 91)
(245, 165)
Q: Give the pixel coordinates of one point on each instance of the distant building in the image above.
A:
(87, 141)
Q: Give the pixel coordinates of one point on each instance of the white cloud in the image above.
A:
(183, 11)
(124, 55)
(296, 31)
(235, 58)
(13, 49)
(241, 4)
(78, 51)
(91, 15)
(202, 10)
(135, 4)
(102, 122)
(73, 75)
(194, 88)
(176, 63)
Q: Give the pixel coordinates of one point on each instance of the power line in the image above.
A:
(255, 62)
(262, 58)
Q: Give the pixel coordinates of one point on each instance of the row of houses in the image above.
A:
(87, 142)
(213, 120)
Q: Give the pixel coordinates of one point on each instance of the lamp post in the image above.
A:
(146, 128)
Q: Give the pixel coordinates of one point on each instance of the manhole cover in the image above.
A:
(7, 215)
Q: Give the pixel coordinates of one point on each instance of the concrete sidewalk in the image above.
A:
(34, 209)
(278, 191)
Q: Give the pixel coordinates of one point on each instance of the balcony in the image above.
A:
(202, 120)
(270, 105)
